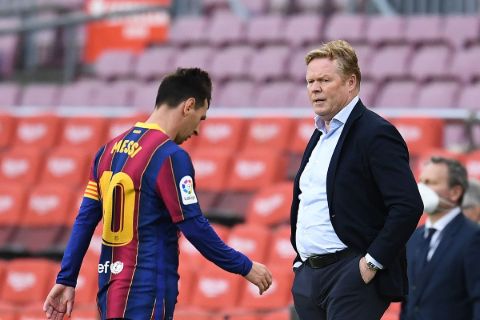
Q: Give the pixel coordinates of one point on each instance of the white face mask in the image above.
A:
(431, 200)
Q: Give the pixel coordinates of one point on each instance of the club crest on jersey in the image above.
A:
(186, 190)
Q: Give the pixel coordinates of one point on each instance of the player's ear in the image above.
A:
(189, 106)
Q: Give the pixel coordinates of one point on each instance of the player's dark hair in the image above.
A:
(183, 84)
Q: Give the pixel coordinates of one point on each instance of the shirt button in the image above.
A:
(333, 216)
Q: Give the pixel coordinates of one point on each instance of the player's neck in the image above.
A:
(167, 119)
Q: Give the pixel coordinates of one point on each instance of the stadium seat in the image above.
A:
(276, 94)
(438, 94)
(7, 128)
(277, 296)
(460, 30)
(381, 67)
(27, 281)
(223, 134)
(421, 29)
(266, 61)
(225, 28)
(300, 97)
(347, 27)
(45, 219)
(303, 129)
(465, 66)
(231, 63)
(79, 93)
(160, 57)
(368, 91)
(21, 166)
(265, 29)
(472, 162)
(470, 97)
(9, 94)
(114, 64)
(8, 51)
(429, 63)
(87, 287)
(281, 252)
(114, 94)
(397, 94)
(12, 204)
(250, 239)
(240, 315)
(297, 67)
(197, 314)
(237, 93)
(38, 131)
(303, 29)
(270, 206)
(187, 271)
(67, 166)
(197, 56)
(40, 95)
(268, 133)
(216, 289)
(420, 133)
(188, 30)
(84, 133)
(364, 55)
(381, 30)
(143, 98)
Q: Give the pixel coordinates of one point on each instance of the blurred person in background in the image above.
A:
(444, 254)
(471, 201)
(355, 203)
(142, 183)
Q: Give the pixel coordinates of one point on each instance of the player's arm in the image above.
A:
(176, 187)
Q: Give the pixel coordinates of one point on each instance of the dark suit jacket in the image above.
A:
(372, 195)
(448, 287)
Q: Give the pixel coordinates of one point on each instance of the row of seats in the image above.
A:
(226, 28)
(282, 62)
(395, 93)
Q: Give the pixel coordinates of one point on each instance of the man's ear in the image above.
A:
(189, 106)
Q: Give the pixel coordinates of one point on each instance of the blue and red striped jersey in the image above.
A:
(142, 185)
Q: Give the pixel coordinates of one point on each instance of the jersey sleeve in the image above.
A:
(88, 216)
(176, 186)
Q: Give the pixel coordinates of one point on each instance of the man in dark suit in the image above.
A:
(355, 200)
(444, 254)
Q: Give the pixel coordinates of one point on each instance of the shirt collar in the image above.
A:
(148, 126)
(441, 223)
(341, 117)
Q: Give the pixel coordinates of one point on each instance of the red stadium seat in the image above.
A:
(255, 169)
(472, 162)
(27, 281)
(45, 219)
(277, 296)
(420, 133)
(250, 239)
(303, 130)
(84, 133)
(68, 166)
(87, 284)
(281, 252)
(210, 170)
(12, 204)
(271, 205)
(21, 166)
(186, 283)
(216, 289)
(117, 126)
(239, 315)
(271, 133)
(221, 134)
(7, 127)
(188, 314)
(40, 132)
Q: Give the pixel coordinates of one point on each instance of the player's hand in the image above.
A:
(59, 302)
(260, 276)
(366, 273)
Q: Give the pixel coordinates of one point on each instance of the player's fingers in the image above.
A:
(48, 311)
(69, 308)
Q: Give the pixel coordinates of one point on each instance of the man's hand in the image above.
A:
(59, 302)
(260, 276)
(366, 273)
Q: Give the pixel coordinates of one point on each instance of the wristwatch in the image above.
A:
(371, 266)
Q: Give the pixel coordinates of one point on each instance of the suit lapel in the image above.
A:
(448, 237)
(332, 168)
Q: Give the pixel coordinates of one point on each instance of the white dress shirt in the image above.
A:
(315, 233)
(439, 225)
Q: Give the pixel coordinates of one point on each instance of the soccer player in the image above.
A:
(142, 183)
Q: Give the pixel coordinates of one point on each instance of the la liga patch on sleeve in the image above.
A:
(186, 190)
